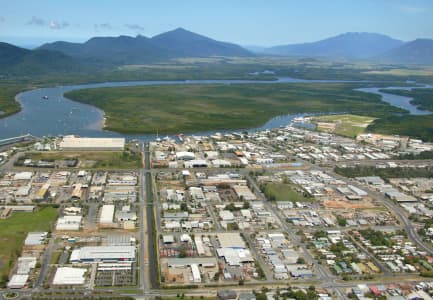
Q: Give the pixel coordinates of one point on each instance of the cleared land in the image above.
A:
(284, 192)
(92, 159)
(345, 125)
(190, 108)
(14, 230)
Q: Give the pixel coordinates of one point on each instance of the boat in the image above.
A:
(45, 97)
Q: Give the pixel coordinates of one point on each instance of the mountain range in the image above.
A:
(19, 61)
(121, 50)
(360, 45)
(141, 49)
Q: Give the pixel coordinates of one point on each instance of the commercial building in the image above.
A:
(103, 254)
(107, 215)
(67, 223)
(18, 281)
(35, 238)
(94, 144)
(69, 276)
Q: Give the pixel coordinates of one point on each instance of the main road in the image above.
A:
(151, 230)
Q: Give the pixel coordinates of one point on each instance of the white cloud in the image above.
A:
(134, 27)
(411, 9)
(36, 21)
(58, 24)
(102, 26)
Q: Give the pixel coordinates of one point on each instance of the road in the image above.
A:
(143, 262)
(151, 230)
(45, 262)
(323, 274)
(395, 208)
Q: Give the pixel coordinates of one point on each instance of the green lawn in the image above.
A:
(284, 192)
(345, 125)
(14, 230)
(190, 108)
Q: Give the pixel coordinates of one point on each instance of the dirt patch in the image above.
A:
(348, 204)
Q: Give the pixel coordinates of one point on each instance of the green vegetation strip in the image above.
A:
(420, 127)
(8, 105)
(92, 159)
(190, 108)
(14, 230)
(399, 172)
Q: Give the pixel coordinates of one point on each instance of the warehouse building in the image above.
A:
(18, 281)
(94, 144)
(103, 254)
(107, 215)
(69, 276)
(67, 223)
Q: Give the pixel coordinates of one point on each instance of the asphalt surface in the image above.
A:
(151, 230)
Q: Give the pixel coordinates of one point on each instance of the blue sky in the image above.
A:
(246, 22)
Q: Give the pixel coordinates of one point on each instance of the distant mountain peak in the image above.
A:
(140, 49)
(358, 45)
(419, 51)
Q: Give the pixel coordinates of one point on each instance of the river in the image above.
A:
(58, 115)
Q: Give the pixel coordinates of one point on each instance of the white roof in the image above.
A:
(35, 238)
(69, 276)
(23, 176)
(184, 154)
(103, 253)
(107, 214)
(69, 223)
(18, 281)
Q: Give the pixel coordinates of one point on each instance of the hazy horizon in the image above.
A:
(256, 22)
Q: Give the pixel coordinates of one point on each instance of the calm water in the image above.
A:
(399, 101)
(58, 115)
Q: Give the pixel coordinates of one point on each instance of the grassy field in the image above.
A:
(284, 192)
(190, 108)
(13, 231)
(93, 159)
(345, 125)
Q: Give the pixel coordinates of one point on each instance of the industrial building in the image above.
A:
(69, 223)
(107, 215)
(18, 281)
(35, 238)
(93, 144)
(103, 254)
(69, 276)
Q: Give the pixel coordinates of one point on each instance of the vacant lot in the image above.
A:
(190, 108)
(284, 192)
(14, 230)
(345, 125)
(92, 159)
